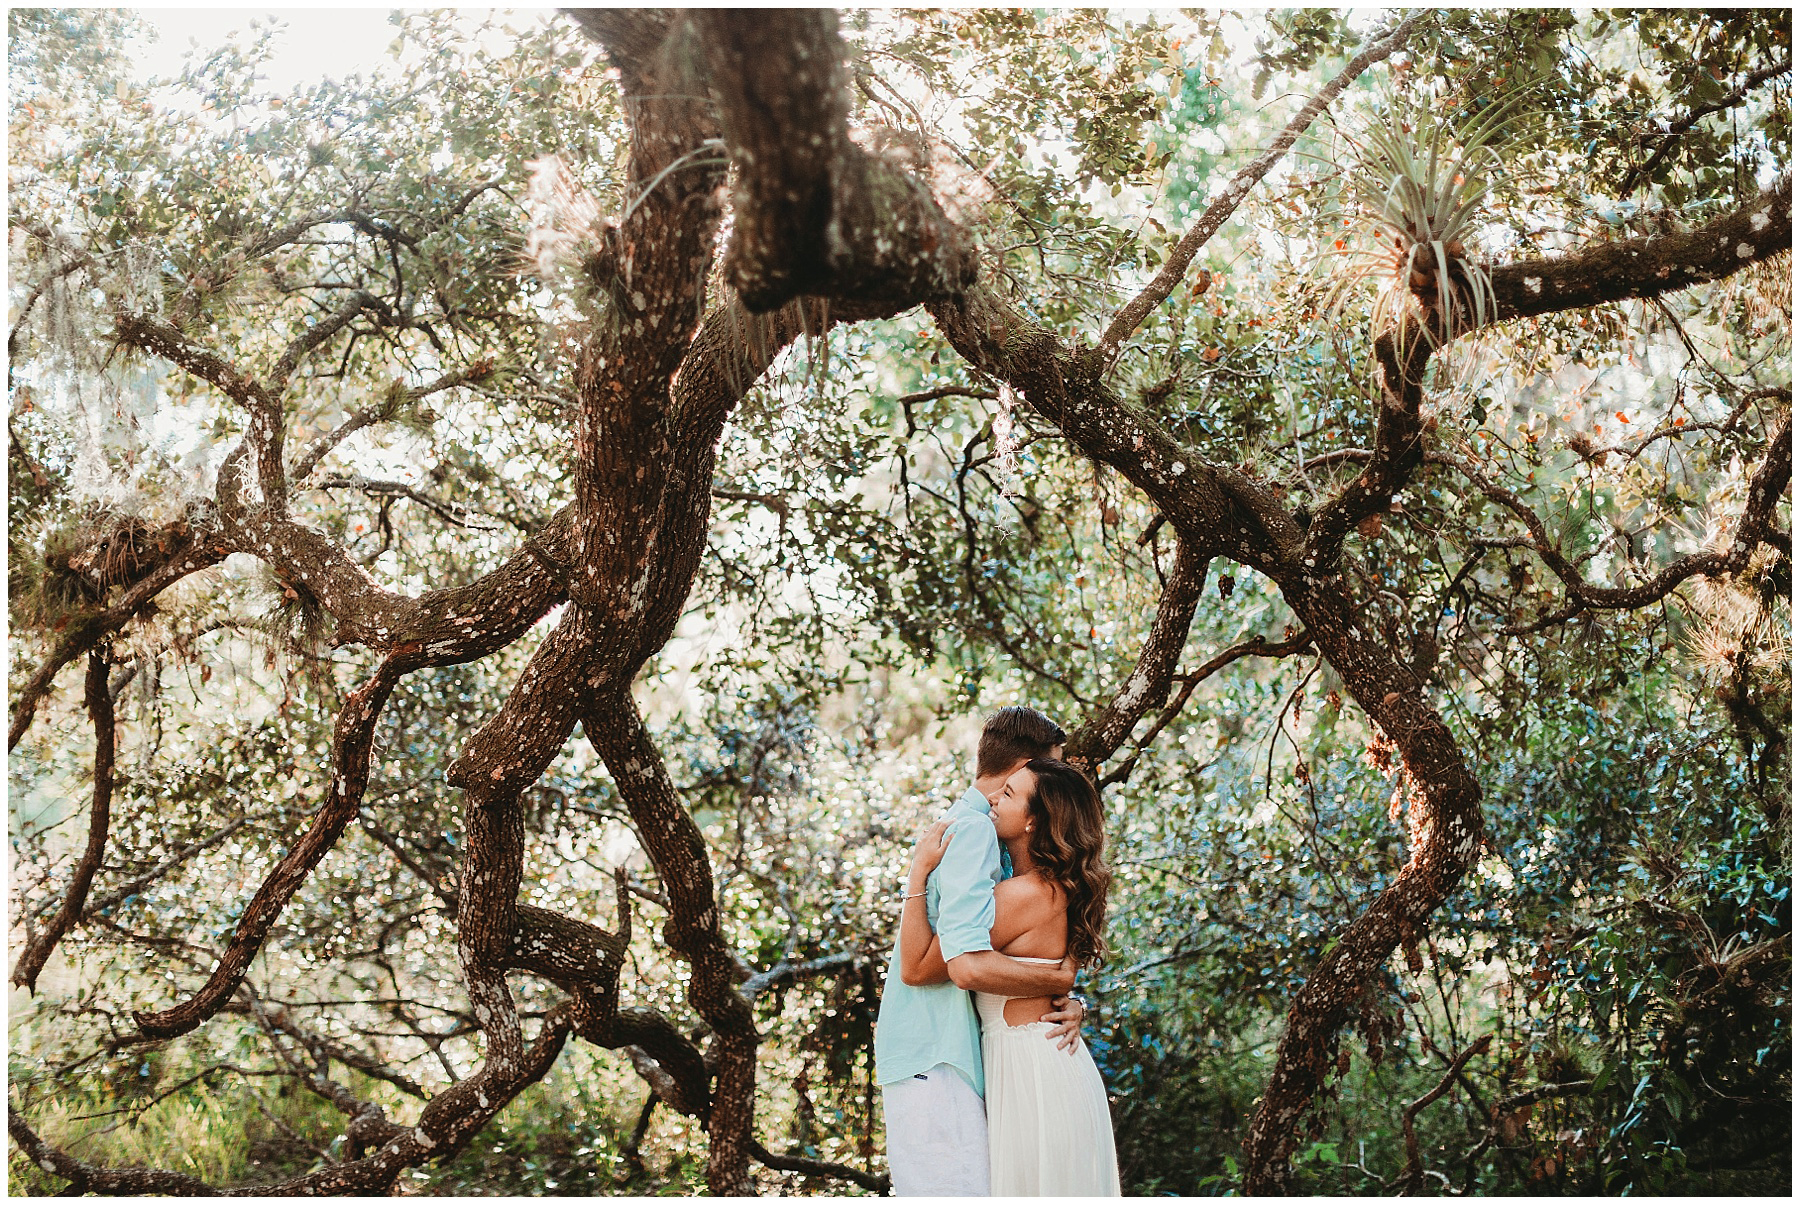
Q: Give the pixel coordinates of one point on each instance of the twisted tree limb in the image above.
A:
(353, 744)
(676, 846)
(1771, 478)
(86, 1178)
(100, 710)
(653, 396)
(1147, 687)
(1599, 274)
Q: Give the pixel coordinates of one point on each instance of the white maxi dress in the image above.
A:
(1049, 1130)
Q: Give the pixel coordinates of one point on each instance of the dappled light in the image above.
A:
(509, 548)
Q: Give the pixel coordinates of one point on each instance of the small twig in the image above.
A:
(447, 511)
(1414, 1176)
(126, 890)
(631, 1154)
(1673, 135)
(1511, 1104)
(316, 451)
(1257, 646)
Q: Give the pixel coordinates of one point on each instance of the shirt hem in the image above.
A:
(902, 1077)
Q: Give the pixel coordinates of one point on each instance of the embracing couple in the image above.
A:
(1005, 899)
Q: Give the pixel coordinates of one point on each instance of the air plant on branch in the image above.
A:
(1421, 181)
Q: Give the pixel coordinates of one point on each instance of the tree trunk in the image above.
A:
(1445, 834)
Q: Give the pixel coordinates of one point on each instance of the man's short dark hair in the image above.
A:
(1013, 735)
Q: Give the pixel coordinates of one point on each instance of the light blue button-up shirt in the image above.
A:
(920, 1027)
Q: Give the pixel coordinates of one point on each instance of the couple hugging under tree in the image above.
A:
(994, 1093)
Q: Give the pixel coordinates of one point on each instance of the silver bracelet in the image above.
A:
(915, 895)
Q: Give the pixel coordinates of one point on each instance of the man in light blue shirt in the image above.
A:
(928, 1039)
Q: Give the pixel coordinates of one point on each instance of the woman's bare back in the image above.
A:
(1033, 904)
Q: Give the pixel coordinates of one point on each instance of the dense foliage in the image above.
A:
(899, 541)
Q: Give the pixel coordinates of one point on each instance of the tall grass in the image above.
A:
(564, 1136)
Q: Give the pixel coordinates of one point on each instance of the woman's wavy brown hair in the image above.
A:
(1068, 844)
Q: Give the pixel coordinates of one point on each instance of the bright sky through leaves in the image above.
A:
(316, 43)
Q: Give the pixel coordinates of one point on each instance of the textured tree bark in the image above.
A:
(813, 213)
(677, 848)
(1444, 821)
(85, 1177)
(1445, 832)
(1651, 265)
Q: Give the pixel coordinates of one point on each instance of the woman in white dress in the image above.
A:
(1049, 1129)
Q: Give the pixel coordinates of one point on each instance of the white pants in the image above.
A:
(937, 1138)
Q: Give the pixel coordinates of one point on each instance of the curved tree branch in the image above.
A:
(100, 710)
(1767, 484)
(1220, 510)
(453, 625)
(1225, 204)
(1412, 1178)
(1672, 136)
(1099, 735)
(316, 334)
(159, 338)
(785, 972)
(86, 1178)
(353, 744)
(821, 1167)
(1257, 647)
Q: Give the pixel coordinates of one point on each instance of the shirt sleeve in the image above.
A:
(965, 883)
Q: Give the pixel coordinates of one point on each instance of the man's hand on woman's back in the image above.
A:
(1065, 1017)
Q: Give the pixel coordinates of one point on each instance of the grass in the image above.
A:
(564, 1136)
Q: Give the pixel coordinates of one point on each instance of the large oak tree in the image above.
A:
(754, 184)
